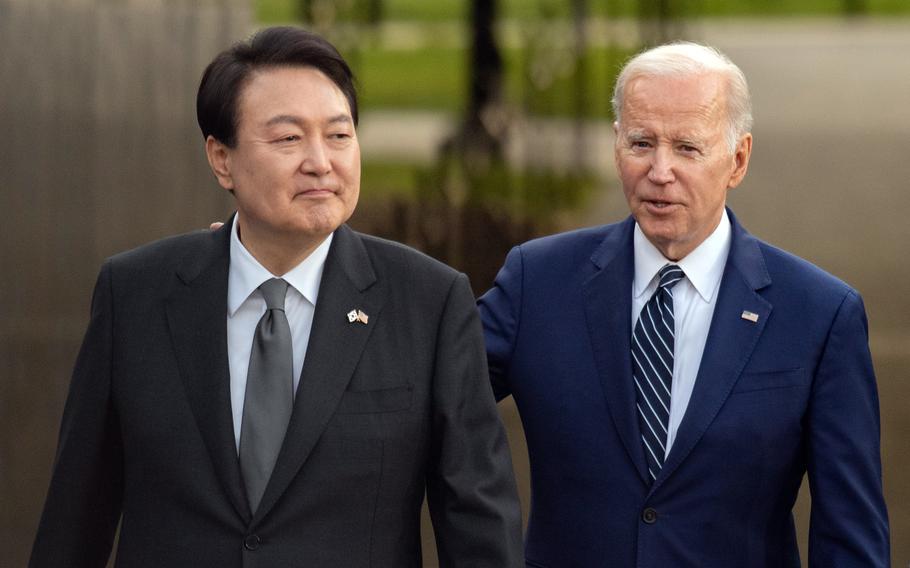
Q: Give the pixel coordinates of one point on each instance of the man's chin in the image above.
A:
(657, 227)
(663, 235)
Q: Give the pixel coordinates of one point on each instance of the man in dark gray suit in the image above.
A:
(282, 391)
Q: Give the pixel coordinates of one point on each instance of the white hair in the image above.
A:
(685, 59)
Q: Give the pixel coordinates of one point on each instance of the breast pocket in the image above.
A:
(373, 401)
(767, 380)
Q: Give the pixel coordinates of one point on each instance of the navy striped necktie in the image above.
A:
(652, 367)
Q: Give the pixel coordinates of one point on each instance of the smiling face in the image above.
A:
(673, 159)
(295, 167)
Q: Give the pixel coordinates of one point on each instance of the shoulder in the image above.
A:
(795, 274)
(165, 249)
(394, 255)
(572, 250)
(412, 281)
(161, 259)
(584, 239)
(782, 275)
(796, 286)
(397, 261)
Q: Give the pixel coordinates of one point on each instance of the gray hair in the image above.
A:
(687, 58)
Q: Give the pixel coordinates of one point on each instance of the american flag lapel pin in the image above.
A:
(750, 316)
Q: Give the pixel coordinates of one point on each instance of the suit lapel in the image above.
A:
(196, 313)
(608, 308)
(731, 340)
(334, 348)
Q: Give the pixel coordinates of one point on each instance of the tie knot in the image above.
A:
(670, 274)
(273, 291)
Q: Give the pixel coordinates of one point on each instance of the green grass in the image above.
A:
(562, 86)
(537, 194)
(796, 7)
(425, 9)
(431, 78)
(545, 83)
(272, 11)
(275, 11)
(381, 180)
(434, 79)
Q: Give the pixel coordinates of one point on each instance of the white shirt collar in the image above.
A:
(704, 266)
(246, 273)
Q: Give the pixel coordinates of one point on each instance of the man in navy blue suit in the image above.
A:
(676, 376)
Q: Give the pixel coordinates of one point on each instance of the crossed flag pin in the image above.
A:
(358, 315)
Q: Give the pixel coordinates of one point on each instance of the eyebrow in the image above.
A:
(637, 134)
(640, 134)
(297, 121)
(340, 118)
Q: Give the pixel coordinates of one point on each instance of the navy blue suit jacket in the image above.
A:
(790, 393)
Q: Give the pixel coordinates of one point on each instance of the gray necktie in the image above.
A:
(269, 395)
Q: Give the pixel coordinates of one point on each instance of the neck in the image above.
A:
(278, 253)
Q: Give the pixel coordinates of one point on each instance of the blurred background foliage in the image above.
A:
(483, 123)
(499, 73)
(518, 94)
(278, 11)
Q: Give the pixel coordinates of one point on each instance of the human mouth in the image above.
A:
(658, 205)
(315, 192)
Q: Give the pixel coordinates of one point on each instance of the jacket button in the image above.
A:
(251, 542)
(649, 516)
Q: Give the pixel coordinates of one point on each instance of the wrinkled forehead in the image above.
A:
(690, 101)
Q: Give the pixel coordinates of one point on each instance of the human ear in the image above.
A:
(219, 159)
(741, 160)
(616, 145)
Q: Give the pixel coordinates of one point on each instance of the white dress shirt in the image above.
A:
(694, 298)
(246, 306)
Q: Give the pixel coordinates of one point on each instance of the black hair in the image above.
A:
(281, 46)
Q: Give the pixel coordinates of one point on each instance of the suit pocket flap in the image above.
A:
(764, 380)
(383, 400)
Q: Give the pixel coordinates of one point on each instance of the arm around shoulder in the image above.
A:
(499, 310)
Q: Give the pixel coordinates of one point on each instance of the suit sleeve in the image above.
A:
(499, 312)
(471, 489)
(85, 497)
(849, 523)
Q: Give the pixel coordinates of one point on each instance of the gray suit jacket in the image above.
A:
(384, 413)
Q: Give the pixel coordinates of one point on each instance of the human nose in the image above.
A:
(661, 171)
(316, 159)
